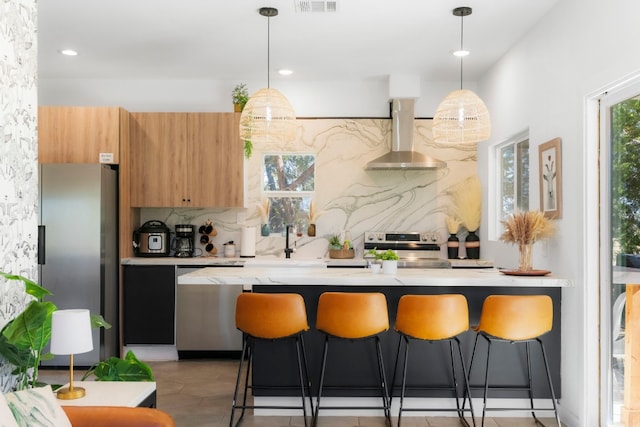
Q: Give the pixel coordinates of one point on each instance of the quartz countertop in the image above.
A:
(364, 277)
(237, 261)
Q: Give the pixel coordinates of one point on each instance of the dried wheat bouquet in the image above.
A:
(467, 199)
(263, 208)
(453, 224)
(527, 227)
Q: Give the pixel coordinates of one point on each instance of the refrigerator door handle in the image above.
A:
(41, 241)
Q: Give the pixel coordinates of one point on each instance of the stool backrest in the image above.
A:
(271, 316)
(516, 317)
(352, 314)
(432, 317)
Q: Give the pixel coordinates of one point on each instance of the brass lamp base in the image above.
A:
(68, 393)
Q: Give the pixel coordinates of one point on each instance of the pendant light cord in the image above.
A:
(268, 51)
(461, 46)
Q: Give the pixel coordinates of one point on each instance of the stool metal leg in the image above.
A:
(321, 383)
(404, 375)
(467, 390)
(553, 394)
(486, 382)
(246, 352)
(303, 386)
(395, 370)
(305, 365)
(383, 382)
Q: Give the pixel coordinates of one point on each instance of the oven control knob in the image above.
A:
(370, 237)
(380, 237)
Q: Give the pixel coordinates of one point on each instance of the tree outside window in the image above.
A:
(289, 183)
(625, 185)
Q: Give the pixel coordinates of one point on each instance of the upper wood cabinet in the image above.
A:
(186, 159)
(80, 134)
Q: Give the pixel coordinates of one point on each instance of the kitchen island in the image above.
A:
(272, 361)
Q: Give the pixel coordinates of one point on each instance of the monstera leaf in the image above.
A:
(116, 369)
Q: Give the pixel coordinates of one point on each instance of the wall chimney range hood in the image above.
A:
(402, 155)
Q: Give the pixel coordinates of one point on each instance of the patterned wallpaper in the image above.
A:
(18, 157)
(351, 197)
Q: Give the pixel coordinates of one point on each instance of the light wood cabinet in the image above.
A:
(186, 159)
(80, 134)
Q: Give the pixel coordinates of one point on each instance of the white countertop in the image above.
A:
(235, 261)
(364, 277)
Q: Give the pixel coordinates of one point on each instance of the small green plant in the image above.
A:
(388, 255)
(116, 369)
(240, 95)
(336, 243)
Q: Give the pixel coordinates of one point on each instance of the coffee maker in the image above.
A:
(185, 234)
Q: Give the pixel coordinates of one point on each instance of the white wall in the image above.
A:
(541, 84)
(310, 99)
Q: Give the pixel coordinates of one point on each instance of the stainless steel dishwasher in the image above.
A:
(205, 316)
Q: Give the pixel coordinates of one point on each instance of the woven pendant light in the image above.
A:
(462, 117)
(268, 116)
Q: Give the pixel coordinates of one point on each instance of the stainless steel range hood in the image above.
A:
(402, 155)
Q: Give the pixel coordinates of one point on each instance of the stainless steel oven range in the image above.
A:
(415, 249)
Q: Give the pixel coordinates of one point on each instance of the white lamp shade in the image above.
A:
(71, 332)
(268, 117)
(461, 118)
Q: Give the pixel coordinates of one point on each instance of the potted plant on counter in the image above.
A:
(339, 249)
(389, 260)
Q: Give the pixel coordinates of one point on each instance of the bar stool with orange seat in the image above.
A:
(433, 318)
(271, 317)
(353, 316)
(516, 319)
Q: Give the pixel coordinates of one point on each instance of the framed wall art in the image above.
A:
(550, 166)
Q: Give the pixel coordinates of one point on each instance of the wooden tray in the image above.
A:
(525, 273)
(341, 253)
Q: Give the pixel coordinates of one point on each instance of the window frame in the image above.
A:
(495, 164)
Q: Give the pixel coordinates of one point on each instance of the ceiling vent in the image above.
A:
(316, 6)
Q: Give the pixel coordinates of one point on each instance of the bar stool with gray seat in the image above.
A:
(516, 319)
(354, 317)
(271, 317)
(433, 318)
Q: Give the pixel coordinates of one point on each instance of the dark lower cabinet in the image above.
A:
(149, 304)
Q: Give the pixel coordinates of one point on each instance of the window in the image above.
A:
(512, 159)
(514, 171)
(288, 183)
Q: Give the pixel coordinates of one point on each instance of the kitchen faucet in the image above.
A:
(287, 249)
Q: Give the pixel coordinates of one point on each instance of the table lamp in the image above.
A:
(71, 334)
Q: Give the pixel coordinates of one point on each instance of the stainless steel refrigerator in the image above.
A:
(78, 248)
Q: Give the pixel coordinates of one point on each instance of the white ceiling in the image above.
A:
(227, 39)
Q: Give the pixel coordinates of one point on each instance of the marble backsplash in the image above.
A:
(350, 197)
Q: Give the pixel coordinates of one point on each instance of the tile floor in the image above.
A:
(198, 393)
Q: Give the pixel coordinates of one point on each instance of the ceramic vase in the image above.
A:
(311, 230)
(472, 245)
(389, 266)
(453, 246)
(265, 230)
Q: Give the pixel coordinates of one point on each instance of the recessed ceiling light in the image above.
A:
(285, 72)
(460, 53)
(68, 52)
